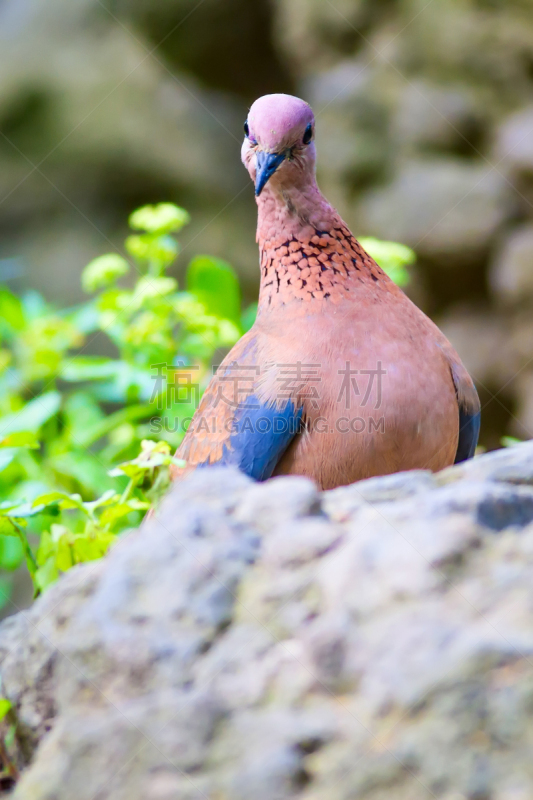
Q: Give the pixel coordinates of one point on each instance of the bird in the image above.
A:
(342, 377)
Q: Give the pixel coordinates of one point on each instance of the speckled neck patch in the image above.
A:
(326, 266)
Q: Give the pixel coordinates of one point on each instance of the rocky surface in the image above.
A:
(269, 641)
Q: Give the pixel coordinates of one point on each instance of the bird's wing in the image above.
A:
(235, 426)
(469, 409)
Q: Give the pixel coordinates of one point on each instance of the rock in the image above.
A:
(513, 147)
(432, 116)
(511, 272)
(445, 209)
(352, 137)
(485, 344)
(310, 32)
(269, 641)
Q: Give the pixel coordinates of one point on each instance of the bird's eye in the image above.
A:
(308, 135)
(246, 129)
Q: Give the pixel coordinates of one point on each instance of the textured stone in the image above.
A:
(444, 209)
(511, 273)
(484, 341)
(514, 142)
(269, 641)
(431, 116)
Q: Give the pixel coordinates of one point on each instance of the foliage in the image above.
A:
(392, 257)
(68, 418)
(510, 441)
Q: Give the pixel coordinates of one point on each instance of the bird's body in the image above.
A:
(341, 377)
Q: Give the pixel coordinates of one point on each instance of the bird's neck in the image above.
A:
(307, 253)
(294, 211)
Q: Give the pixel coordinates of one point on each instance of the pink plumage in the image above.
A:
(376, 386)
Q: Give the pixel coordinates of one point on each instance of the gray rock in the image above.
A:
(442, 208)
(435, 116)
(511, 273)
(484, 341)
(514, 142)
(270, 641)
(513, 465)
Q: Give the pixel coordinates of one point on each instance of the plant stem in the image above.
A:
(128, 491)
(30, 558)
(9, 766)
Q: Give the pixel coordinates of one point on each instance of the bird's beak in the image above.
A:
(266, 165)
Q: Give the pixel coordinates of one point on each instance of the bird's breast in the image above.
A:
(377, 393)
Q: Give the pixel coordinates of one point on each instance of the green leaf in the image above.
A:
(112, 421)
(160, 250)
(5, 707)
(214, 283)
(7, 527)
(11, 313)
(32, 416)
(248, 317)
(392, 257)
(84, 318)
(150, 287)
(21, 511)
(84, 467)
(106, 499)
(21, 439)
(88, 368)
(510, 441)
(62, 499)
(121, 510)
(103, 271)
(81, 411)
(11, 553)
(160, 218)
(7, 455)
(47, 574)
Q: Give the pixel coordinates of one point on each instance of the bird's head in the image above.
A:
(279, 141)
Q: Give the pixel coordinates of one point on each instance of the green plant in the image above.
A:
(8, 769)
(67, 419)
(393, 258)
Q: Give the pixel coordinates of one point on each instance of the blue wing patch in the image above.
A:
(259, 436)
(469, 425)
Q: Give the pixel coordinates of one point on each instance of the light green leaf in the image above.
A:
(83, 466)
(113, 420)
(160, 218)
(7, 528)
(32, 416)
(11, 313)
(88, 368)
(7, 455)
(21, 439)
(106, 499)
(113, 514)
(11, 553)
(103, 271)
(62, 499)
(160, 250)
(248, 317)
(510, 441)
(5, 707)
(47, 574)
(392, 257)
(215, 284)
(150, 287)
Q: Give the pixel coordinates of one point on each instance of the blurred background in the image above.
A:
(424, 135)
